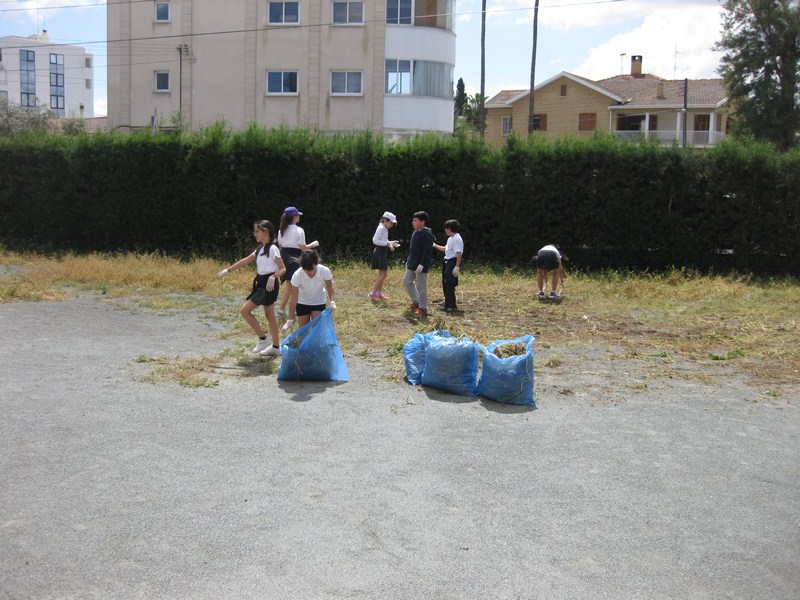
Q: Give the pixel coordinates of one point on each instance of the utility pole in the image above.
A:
(183, 50)
(533, 66)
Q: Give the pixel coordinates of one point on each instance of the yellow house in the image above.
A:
(630, 105)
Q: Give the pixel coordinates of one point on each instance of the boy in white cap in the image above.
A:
(380, 255)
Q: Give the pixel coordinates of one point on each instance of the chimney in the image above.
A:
(636, 66)
(660, 90)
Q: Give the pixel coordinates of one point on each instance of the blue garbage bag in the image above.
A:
(508, 380)
(312, 353)
(414, 353)
(451, 364)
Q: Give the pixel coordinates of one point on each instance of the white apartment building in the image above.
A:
(384, 65)
(34, 71)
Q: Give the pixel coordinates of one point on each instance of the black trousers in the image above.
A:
(449, 283)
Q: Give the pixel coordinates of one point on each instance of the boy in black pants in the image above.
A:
(453, 252)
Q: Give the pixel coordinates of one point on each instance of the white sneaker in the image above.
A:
(271, 351)
(262, 344)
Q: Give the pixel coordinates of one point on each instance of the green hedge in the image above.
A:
(608, 203)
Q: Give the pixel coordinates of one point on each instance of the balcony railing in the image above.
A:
(668, 137)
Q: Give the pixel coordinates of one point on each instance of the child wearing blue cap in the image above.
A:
(292, 242)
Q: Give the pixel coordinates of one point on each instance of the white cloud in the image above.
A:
(692, 30)
(100, 107)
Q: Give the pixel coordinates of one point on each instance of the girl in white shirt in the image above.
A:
(292, 241)
(307, 289)
(380, 255)
(269, 268)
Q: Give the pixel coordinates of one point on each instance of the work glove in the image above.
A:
(271, 283)
(287, 327)
(419, 269)
(333, 305)
(222, 273)
(314, 244)
(455, 271)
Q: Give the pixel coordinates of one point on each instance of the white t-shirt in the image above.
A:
(293, 237)
(381, 237)
(552, 248)
(312, 289)
(454, 245)
(265, 261)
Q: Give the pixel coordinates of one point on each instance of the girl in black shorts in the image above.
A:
(269, 268)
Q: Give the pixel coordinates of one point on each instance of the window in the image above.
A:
(433, 79)
(88, 84)
(162, 81)
(284, 12)
(27, 78)
(398, 12)
(3, 96)
(587, 121)
(57, 103)
(563, 90)
(1, 57)
(162, 12)
(540, 122)
(57, 83)
(56, 79)
(702, 122)
(346, 82)
(398, 77)
(348, 12)
(281, 82)
(507, 125)
(88, 63)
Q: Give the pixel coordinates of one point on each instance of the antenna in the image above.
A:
(622, 56)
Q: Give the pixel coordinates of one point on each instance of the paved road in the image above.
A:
(111, 487)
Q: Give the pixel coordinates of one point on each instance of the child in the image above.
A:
(549, 258)
(307, 289)
(292, 241)
(418, 263)
(452, 263)
(269, 268)
(380, 255)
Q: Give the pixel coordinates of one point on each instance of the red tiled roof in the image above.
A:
(505, 96)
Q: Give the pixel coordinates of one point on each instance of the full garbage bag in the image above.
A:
(312, 352)
(508, 380)
(451, 364)
(415, 351)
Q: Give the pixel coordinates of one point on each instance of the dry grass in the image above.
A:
(705, 319)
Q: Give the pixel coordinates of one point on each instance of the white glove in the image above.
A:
(420, 268)
(271, 283)
(455, 271)
(392, 246)
(222, 273)
(287, 326)
(314, 244)
(333, 305)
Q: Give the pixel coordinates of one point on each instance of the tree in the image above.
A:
(761, 41)
(16, 119)
(533, 65)
(461, 97)
(481, 108)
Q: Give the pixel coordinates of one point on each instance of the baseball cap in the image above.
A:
(390, 216)
(291, 210)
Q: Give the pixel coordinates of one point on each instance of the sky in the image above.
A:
(591, 38)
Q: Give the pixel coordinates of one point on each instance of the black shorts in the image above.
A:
(547, 260)
(260, 296)
(380, 258)
(306, 309)
(291, 260)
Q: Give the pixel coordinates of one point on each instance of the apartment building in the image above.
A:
(384, 66)
(34, 71)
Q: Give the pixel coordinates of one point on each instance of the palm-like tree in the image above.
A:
(533, 64)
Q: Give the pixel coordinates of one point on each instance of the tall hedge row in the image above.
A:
(608, 203)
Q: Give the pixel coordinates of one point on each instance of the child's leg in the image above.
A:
(247, 314)
(541, 274)
(411, 288)
(269, 312)
(303, 320)
(379, 280)
(314, 314)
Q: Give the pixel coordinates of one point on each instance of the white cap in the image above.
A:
(390, 216)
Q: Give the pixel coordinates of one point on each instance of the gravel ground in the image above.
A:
(112, 487)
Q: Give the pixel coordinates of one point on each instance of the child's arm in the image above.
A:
(438, 247)
(239, 263)
(331, 293)
(457, 268)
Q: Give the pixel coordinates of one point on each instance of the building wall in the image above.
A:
(562, 111)
(76, 73)
(225, 75)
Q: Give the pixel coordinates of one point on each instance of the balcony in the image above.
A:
(699, 139)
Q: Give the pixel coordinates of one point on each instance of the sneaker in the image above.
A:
(382, 296)
(271, 351)
(541, 295)
(374, 296)
(261, 345)
(413, 306)
(553, 295)
(421, 312)
(449, 309)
